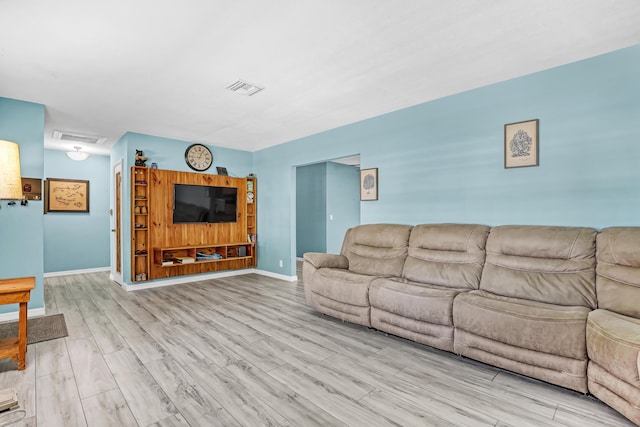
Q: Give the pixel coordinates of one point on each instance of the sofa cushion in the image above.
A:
(617, 393)
(613, 342)
(553, 265)
(433, 304)
(343, 286)
(618, 270)
(449, 255)
(377, 249)
(538, 326)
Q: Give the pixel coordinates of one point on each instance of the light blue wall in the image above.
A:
(438, 161)
(343, 203)
(168, 154)
(327, 204)
(443, 160)
(21, 227)
(311, 209)
(77, 241)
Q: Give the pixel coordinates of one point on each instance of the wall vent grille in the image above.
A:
(78, 137)
(244, 88)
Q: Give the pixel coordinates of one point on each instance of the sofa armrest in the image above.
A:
(321, 260)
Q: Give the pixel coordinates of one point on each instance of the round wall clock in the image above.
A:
(198, 157)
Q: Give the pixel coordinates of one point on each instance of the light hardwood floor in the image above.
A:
(248, 351)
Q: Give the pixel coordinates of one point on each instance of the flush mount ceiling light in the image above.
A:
(77, 155)
(244, 88)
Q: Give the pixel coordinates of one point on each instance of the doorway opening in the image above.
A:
(116, 225)
(327, 204)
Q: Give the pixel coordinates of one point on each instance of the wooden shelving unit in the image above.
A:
(156, 238)
(252, 217)
(139, 224)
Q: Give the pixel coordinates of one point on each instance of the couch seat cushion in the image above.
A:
(537, 326)
(343, 286)
(428, 303)
(613, 342)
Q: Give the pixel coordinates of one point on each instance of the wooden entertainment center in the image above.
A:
(161, 248)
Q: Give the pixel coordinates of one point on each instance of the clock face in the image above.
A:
(198, 157)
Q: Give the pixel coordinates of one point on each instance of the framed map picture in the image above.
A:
(66, 195)
(521, 144)
(369, 184)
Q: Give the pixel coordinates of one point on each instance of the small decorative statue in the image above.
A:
(140, 159)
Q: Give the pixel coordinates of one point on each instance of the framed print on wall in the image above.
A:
(66, 195)
(369, 184)
(521, 144)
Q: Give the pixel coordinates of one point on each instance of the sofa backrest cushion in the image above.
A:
(377, 249)
(618, 270)
(554, 265)
(450, 255)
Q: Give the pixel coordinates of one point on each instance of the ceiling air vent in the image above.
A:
(244, 88)
(78, 137)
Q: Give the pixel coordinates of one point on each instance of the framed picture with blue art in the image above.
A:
(369, 184)
(521, 145)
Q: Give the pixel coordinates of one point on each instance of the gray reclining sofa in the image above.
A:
(523, 298)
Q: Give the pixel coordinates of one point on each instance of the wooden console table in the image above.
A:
(16, 291)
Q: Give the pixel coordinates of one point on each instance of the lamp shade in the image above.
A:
(10, 178)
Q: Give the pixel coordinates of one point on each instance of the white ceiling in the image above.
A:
(160, 67)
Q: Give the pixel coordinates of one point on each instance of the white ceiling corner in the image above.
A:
(162, 67)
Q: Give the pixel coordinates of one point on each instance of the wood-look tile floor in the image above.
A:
(248, 351)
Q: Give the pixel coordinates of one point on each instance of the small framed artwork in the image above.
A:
(32, 188)
(521, 145)
(222, 170)
(66, 195)
(369, 184)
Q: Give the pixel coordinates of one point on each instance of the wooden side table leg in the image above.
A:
(22, 337)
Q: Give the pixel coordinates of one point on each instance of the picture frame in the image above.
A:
(66, 195)
(521, 144)
(32, 188)
(369, 184)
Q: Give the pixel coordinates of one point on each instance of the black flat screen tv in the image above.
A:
(204, 204)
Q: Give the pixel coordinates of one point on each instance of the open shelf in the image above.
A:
(139, 224)
(172, 257)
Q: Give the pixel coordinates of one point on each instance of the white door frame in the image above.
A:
(117, 276)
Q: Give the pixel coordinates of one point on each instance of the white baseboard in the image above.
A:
(276, 275)
(70, 272)
(186, 279)
(190, 279)
(114, 279)
(32, 312)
